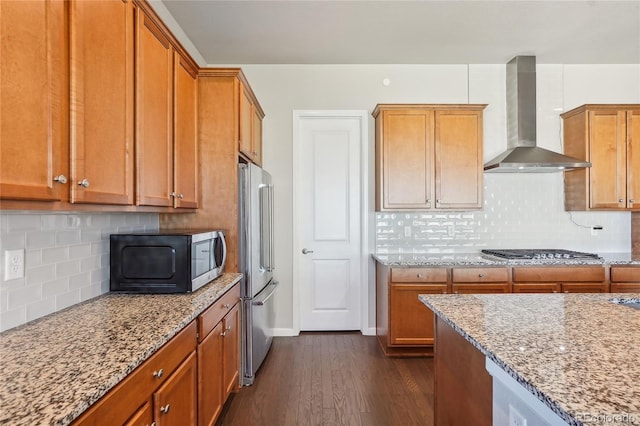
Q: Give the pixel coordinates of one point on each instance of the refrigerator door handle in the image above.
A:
(262, 301)
(271, 228)
(264, 232)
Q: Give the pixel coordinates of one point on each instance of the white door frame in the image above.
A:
(365, 257)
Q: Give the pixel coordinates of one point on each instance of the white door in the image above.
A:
(328, 211)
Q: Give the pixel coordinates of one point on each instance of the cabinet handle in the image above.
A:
(226, 330)
(480, 275)
(620, 200)
(165, 409)
(60, 179)
(84, 183)
(226, 306)
(420, 276)
(180, 196)
(172, 194)
(158, 373)
(632, 201)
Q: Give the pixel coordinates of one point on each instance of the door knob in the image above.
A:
(306, 251)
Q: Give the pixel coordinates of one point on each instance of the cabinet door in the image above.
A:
(101, 101)
(633, 159)
(256, 139)
(246, 115)
(537, 288)
(33, 132)
(185, 165)
(407, 159)
(607, 175)
(584, 288)
(174, 403)
(210, 377)
(410, 321)
(484, 288)
(143, 417)
(154, 137)
(458, 159)
(231, 353)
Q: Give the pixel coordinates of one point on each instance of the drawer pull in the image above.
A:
(480, 275)
(165, 409)
(226, 306)
(158, 373)
(420, 276)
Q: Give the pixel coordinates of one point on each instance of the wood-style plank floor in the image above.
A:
(326, 378)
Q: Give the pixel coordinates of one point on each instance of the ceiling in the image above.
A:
(410, 32)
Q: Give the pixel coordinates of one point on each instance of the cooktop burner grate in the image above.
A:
(540, 254)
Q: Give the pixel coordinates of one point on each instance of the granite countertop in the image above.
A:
(54, 368)
(577, 353)
(480, 259)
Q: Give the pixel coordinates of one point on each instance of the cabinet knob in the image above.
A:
(158, 373)
(60, 179)
(172, 194)
(255, 153)
(165, 409)
(632, 201)
(419, 275)
(226, 306)
(180, 196)
(226, 330)
(621, 200)
(84, 183)
(480, 275)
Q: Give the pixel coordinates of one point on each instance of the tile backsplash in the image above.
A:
(66, 259)
(520, 211)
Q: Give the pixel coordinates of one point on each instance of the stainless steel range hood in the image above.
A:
(522, 154)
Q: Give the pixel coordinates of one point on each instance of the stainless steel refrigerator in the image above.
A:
(256, 263)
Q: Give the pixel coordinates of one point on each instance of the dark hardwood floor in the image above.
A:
(325, 378)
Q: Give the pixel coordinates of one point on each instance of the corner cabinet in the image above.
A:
(609, 137)
(428, 157)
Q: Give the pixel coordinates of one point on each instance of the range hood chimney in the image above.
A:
(522, 154)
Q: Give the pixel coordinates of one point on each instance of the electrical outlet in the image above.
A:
(515, 418)
(13, 264)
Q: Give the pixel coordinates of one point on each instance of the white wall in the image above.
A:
(284, 88)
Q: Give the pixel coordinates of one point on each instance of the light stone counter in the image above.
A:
(480, 259)
(54, 368)
(577, 353)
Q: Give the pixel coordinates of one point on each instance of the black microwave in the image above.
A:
(165, 262)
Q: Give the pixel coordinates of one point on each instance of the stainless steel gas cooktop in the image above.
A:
(540, 254)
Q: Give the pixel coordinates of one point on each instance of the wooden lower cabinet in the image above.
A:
(463, 389)
(186, 382)
(125, 403)
(404, 325)
(218, 356)
(480, 280)
(625, 279)
(559, 279)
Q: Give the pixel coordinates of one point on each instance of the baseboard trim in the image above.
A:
(285, 332)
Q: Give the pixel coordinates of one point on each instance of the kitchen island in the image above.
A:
(55, 368)
(576, 353)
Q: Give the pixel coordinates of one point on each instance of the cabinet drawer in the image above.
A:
(625, 274)
(480, 275)
(559, 274)
(625, 287)
(537, 288)
(475, 288)
(120, 403)
(214, 313)
(419, 275)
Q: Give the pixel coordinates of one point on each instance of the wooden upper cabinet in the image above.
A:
(102, 109)
(185, 166)
(459, 170)
(428, 157)
(605, 135)
(250, 122)
(33, 101)
(154, 98)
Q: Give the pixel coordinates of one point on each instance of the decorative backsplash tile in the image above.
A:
(66, 259)
(520, 211)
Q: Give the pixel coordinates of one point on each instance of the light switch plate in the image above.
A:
(13, 264)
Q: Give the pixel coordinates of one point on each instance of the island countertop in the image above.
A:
(577, 353)
(54, 368)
